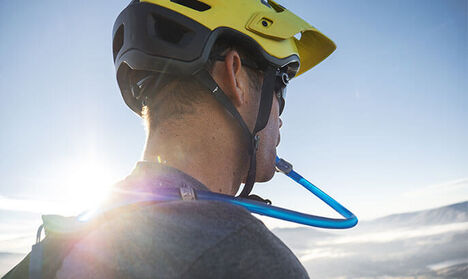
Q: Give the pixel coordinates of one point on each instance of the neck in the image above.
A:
(204, 148)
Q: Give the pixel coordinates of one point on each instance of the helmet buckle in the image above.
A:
(256, 141)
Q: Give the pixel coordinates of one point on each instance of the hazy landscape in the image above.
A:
(424, 244)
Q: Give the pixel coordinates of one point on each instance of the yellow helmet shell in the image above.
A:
(272, 26)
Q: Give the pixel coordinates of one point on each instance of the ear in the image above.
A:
(228, 75)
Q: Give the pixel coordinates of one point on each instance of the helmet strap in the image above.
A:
(266, 101)
(207, 80)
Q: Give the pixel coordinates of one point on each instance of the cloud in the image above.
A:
(397, 234)
(323, 253)
(446, 264)
(436, 195)
(449, 187)
(33, 206)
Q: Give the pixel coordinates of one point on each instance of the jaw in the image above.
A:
(266, 166)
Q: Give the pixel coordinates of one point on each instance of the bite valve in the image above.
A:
(283, 166)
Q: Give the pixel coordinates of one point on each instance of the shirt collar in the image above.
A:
(149, 176)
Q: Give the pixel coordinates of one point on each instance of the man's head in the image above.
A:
(177, 40)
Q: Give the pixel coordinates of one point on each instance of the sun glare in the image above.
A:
(87, 185)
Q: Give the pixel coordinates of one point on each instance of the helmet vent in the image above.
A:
(193, 4)
(277, 7)
(298, 36)
(118, 41)
(171, 31)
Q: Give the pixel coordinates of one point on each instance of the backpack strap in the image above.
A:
(35, 259)
(46, 256)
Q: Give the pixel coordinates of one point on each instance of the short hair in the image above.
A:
(175, 96)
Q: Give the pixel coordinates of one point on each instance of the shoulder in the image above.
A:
(252, 251)
(178, 239)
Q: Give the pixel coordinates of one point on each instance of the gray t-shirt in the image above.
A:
(179, 239)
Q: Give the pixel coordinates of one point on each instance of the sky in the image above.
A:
(381, 125)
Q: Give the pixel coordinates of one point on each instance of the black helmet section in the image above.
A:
(148, 36)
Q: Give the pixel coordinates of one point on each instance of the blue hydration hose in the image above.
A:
(312, 220)
(187, 193)
(289, 215)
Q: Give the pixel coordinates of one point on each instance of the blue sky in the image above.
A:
(381, 124)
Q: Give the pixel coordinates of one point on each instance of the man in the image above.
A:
(208, 78)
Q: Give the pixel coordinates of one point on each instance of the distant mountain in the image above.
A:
(430, 244)
(453, 213)
(455, 271)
